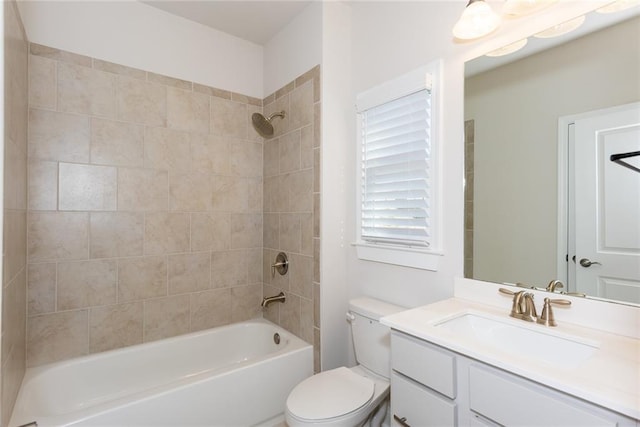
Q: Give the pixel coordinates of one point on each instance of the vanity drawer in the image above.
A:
(425, 363)
(510, 400)
(419, 406)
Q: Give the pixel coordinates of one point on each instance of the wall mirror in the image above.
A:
(528, 199)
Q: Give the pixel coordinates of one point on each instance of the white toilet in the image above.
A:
(349, 397)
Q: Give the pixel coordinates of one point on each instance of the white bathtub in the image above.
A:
(233, 375)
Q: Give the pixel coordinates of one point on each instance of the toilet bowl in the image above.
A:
(348, 397)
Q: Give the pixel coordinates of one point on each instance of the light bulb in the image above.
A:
(477, 20)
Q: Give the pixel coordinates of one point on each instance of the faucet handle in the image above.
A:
(506, 291)
(553, 285)
(517, 309)
(547, 318)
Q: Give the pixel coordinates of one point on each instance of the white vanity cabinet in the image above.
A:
(433, 386)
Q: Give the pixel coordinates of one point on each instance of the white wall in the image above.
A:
(336, 157)
(389, 39)
(294, 50)
(141, 36)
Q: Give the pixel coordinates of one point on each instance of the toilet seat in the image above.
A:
(330, 394)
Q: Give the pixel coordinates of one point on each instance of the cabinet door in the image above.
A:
(512, 401)
(417, 406)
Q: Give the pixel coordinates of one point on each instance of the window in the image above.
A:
(398, 192)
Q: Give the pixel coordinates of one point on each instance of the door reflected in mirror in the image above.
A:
(520, 123)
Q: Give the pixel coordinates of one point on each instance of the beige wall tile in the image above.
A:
(190, 192)
(43, 185)
(116, 234)
(316, 215)
(210, 231)
(271, 157)
(57, 336)
(167, 149)
(317, 365)
(59, 55)
(228, 194)
(86, 283)
(118, 69)
(290, 152)
(255, 200)
(15, 176)
(116, 143)
(229, 118)
(142, 102)
(169, 81)
(41, 288)
(317, 129)
(86, 187)
(316, 260)
(301, 270)
(86, 91)
(209, 153)
(254, 266)
(290, 232)
(210, 309)
(245, 158)
(290, 314)
(115, 326)
(57, 235)
(316, 305)
(301, 191)
(280, 125)
(14, 308)
(166, 233)
(211, 91)
(306, 234)
(14, 243)
(42, 82)
(306, 320)
(316, 170)
(284, 90)
(301, 105)
(306, 147)
(271, 231)
(246, 231)
(245, 302)
(142, 278)
(187, 110)
(166, 317)
(228, 269)
(142, 190)
(58, 136)
(276, 193)
(189, 272)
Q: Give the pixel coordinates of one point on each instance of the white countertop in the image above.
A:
(609, 378)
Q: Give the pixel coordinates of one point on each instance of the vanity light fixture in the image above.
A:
(517, 8)
(618, 6)
(477, 20)
(560, 29)
(510, 48)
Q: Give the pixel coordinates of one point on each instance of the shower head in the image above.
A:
(263, 125)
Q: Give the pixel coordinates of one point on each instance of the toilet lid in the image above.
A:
(330, 394)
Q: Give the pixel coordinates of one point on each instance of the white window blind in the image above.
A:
(396, 146)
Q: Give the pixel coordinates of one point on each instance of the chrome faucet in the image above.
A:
(268, 300)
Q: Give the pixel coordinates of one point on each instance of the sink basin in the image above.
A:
(528, 340)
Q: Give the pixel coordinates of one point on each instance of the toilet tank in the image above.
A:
(371, 339)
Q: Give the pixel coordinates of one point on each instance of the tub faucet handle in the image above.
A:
(281, 265)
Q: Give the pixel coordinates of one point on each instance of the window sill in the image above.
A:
(407, 257)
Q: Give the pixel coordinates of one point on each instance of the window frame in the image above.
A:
(425, 258)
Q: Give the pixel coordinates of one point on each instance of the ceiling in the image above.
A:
(255, 20)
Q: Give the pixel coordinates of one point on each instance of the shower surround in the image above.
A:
(145, 208)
